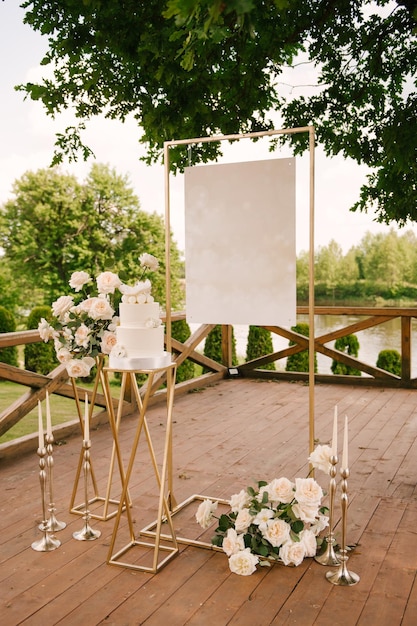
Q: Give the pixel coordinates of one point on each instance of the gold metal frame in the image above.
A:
(236, 137)
(106, 500)
(163, 475)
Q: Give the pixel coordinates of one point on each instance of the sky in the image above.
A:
(27, 137)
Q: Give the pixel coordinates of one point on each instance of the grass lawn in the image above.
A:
(62, 409)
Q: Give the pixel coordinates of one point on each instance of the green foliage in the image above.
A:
(55, 226)
(300, 362)
(181, 331)
(213, 345)
(380, 266)
(40, 357)
(188, 69)
(350, 345)
(10, 289)
(8, 325)
(390, 360)
(259, 344)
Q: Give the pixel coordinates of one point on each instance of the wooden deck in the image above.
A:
(225, 437)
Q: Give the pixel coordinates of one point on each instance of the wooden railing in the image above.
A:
(57, 381)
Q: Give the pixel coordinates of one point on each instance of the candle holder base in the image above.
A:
(86, 534)
(53, 525)
(46, 544)
(343, 577)
(328, 556)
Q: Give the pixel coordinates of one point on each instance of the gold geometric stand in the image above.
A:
(149, 556)
(149, 530)
(106, 500)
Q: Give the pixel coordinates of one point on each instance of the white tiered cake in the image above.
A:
(140, 335)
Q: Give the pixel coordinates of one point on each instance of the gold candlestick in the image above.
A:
(48, 541)
(342, 576)
(87, 533)
(328, 556)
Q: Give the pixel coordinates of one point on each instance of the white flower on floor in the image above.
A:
(243, 563)
(205, 513)
(277, 522)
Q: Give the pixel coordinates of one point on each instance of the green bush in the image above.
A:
(390, 361)
(213, 346)
(300, 362)
(8, 325)
(349, 345)
(259, 344)
(40, 357)
(181, 331)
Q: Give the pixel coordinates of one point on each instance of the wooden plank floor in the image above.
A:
(225, 437)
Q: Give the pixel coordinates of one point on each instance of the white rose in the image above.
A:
(100, 309)
(232, 542)
(308, 539)
(320, 523)
(63, 355)
(277, 532)
(205, 513)
(78, 280)
(320, 458)
(292, 553)
(280, 490)
(308, 491)
(149, 261)
(81, 336)
(239, 501)
(62, 305)
(46, 331)
(243, 563)
(77, 368)
(262, 518)
(243, 520)
(108, 342)
(85, 305)
(107, 282)
(305, 512)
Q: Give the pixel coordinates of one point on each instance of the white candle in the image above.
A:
(334, 440)
(345, 446)
(40, 426)
(86, 420)
(48, 417)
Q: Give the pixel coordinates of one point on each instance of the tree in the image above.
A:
(390, 360)
(259, 344)
(300, 362)
(8, 325)
(56, 225)
(387, 258)
(40, 357)
(350, 345)
(191, 69)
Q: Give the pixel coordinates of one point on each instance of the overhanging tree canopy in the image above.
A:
(196, 68)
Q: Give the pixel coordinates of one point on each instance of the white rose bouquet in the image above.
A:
(84, 324)
(279, 521)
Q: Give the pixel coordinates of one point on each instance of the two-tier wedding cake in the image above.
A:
(140, 334)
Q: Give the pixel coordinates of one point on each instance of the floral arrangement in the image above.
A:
(278, 521)
(84, 324)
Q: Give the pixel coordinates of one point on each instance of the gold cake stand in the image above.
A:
(139, 552)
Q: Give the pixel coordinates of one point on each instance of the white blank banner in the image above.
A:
(240, 243)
